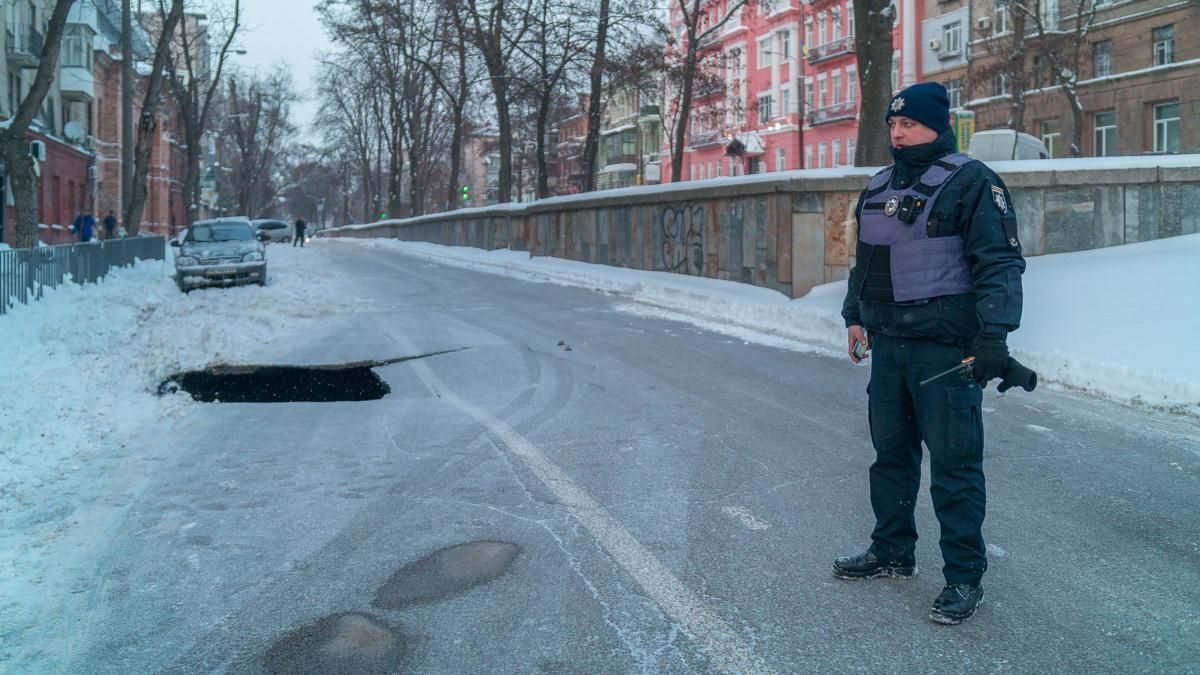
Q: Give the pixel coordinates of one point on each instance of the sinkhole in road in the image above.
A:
(355, 381)
(348, 642)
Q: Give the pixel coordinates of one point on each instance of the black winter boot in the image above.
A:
(867, 566)
(956, 604)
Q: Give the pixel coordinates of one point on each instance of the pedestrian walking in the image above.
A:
(110, 225)
(89, 227)
(937, 278)
(299, 239)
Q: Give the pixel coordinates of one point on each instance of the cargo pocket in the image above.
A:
(964, 422)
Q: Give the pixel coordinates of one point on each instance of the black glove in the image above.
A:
(991, 357)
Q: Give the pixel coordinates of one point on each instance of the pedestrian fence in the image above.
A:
(26, 272)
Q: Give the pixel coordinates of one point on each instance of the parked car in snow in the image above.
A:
(220, 252)
(277, 230)
(1003, 144)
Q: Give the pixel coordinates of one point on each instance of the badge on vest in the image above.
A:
(890, 206)
(998, 198)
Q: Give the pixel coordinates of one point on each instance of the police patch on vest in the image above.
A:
(998, 198)
(890, 207)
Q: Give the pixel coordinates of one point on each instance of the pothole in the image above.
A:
(446, 572)
(355, 381)
(348, 643)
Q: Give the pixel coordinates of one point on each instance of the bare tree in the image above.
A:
(591, 141)
(195, 83)
(148, 123)
(348, 122)
(14, 148)
(699, 22)
(1063, 49)
(873, 44)
(494, 34)
(256, 130)
(1004, 69)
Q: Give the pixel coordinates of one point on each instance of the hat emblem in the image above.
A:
(898, 104)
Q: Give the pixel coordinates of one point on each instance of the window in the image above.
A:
(895, 70)
(954, 93)
(1164, 45)
(780, 159)
(837, 153)
(821, 148)
(808, 92)
(74, 53)
(1049, 14)
(836, 15)
(822, 20)
(1002, 17)
(835, 82)
(785, 101)
(821, 90)
(764, 109)
(1102, 58)
(764, 53)
(808, 32)
(952, 38)
(851, 84)
(785, 43)
(1039, 72)
(1105, 137)
(1052, 138)
(1166, 127)
(850, 151)
(1000, 85)
(712, 172)
(808, 156)
(850, 19)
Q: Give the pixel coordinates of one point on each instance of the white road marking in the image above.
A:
(718, 641)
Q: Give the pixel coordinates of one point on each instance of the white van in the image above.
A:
(1003, 144)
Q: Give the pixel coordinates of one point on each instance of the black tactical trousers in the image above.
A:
(946, 414)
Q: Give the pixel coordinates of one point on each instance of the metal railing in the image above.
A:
(25, 273)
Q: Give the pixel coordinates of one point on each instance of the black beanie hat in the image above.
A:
(925, 102)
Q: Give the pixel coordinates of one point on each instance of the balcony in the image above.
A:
(24, 45)
(703, 138)
(831, 49)
(77, 84)
(837, 112)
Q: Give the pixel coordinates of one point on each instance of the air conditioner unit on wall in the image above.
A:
(984, 23)
(935, 44)
(37, 150)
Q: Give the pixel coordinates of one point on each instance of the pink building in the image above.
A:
(779, 88)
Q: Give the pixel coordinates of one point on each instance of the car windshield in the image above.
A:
(221, 232)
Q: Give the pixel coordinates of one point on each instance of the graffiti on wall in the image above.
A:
(683, 239)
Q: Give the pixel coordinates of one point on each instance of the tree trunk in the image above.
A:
(132, 215)
(543, 174)
(13, 146)
(591, 142)
(504, 122)
(873, 43)
(685, 107)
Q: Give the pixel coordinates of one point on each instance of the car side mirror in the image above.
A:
(175, 243)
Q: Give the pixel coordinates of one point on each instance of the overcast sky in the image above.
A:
(285, 31)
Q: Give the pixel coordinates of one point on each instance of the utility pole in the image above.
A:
(126, 105)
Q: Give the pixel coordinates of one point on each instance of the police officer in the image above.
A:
(937, 278)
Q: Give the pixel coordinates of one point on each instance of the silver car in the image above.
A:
(220, 252)
(276, 230)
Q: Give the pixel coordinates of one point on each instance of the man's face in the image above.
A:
(907, 132)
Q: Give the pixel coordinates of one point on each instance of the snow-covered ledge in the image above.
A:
(793, 230)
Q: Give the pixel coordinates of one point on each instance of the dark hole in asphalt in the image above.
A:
(348, 643)
(285, 384)
(446, 572)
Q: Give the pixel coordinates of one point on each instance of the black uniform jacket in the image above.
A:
(976, 206)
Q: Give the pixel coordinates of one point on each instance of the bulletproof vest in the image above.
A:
(900, 260)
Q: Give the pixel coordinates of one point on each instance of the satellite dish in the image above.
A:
(74, 132)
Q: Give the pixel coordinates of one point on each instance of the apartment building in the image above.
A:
(1138, 74)
(630, 137)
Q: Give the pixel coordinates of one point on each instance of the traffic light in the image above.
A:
(466, 193)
